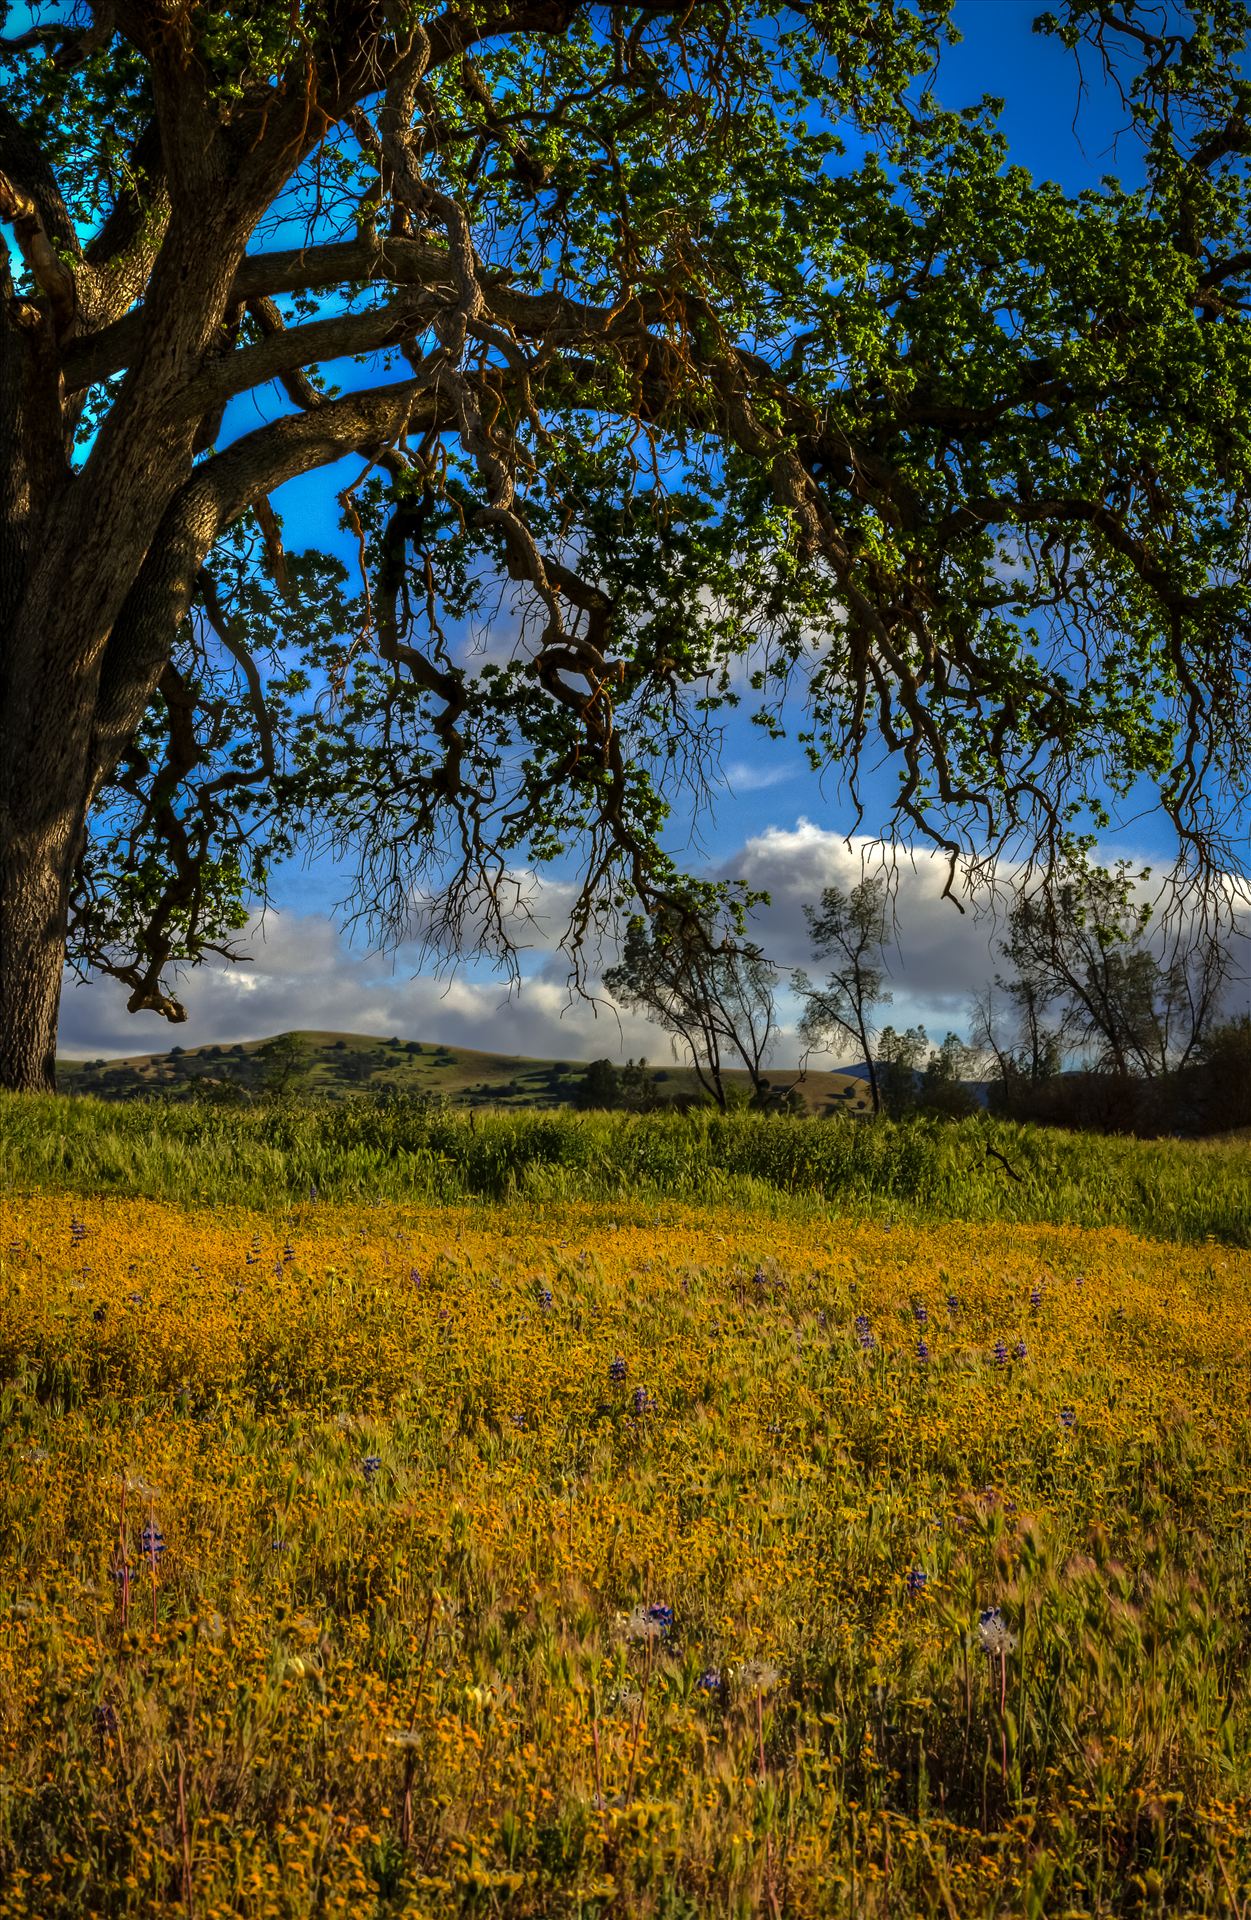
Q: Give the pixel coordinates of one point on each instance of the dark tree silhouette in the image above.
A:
(707, 986)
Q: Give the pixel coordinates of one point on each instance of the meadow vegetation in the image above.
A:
(411, 1149)
(802, 1549)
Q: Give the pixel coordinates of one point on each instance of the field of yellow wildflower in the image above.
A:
(618, 1559)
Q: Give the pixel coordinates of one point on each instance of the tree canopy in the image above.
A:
(688, 354)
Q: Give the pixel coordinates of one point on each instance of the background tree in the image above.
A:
(638, 1086)
(945, 1079)
(677, 334)
(286, 1059)
(712, 990)
(1027, 1040)
(850, 929)
(600, 1085)
(1087, 946)
(901, 1059)
(1225, 1088)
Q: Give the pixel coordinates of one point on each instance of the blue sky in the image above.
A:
(1038, 80)
(773, 820)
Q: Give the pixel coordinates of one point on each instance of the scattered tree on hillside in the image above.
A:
(698, 978)
(600, 1085)
(850, 930)
(686, 336)
(286, 1059)
(638, 1085)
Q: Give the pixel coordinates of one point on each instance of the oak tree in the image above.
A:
(691, 968)
(636, 344)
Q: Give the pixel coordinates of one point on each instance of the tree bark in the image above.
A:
(35, 870)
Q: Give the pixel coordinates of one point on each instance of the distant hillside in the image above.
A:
(339, 1065)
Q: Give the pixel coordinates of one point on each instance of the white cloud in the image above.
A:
(304, 974)
(740, 776)
(940, 954)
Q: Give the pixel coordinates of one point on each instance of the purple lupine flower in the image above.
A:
(864, 1333)
(917, 1580)
(920, 1312)
(1018, 1351)
(760, 1278)
(953, 1304)
(105, 1717)
(152, 1543)
(1079, 1281)
(923, 1352)
(643, 1403)
(1068, 1417)
(617, 1371)
(544, 1296)
(661, 1616)
(1035, 1299)
(371, 1466)
(78, 1232)
(414, 1277)
(710, 1680)
(1000, 1354)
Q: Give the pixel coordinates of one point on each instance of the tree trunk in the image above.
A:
(34, 894)
(875, 1091)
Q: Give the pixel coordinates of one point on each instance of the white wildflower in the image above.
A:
(993, 1633)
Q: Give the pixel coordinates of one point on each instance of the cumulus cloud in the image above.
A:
(940, 953)
(304, 974)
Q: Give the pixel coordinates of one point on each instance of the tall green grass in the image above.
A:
(404, 1150)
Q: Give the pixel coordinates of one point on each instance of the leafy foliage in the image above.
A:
(682, 357)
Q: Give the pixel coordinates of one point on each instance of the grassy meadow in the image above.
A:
(653, 1517)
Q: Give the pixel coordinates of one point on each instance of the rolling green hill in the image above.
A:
(339, 1065)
